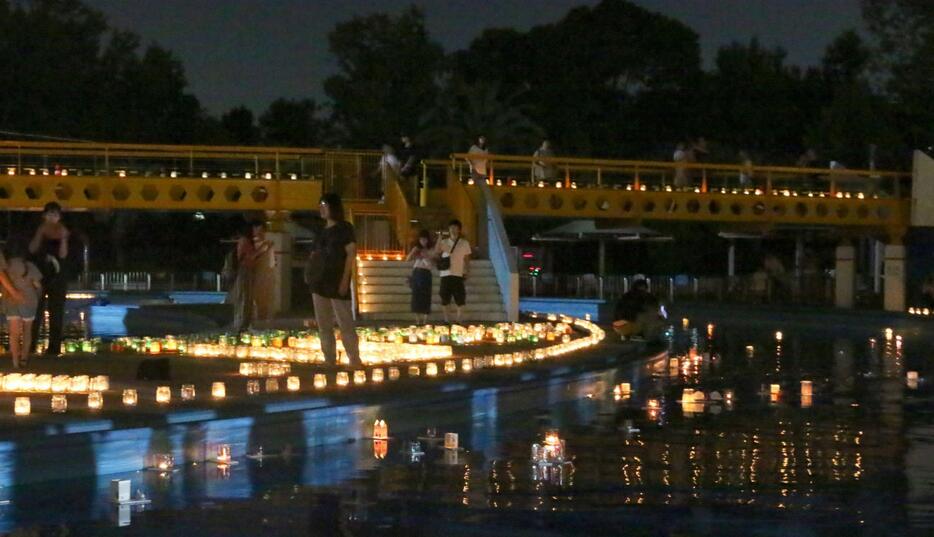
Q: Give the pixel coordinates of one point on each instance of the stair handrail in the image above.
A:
(502, 254)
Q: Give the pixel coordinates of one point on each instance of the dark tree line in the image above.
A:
(610, 80)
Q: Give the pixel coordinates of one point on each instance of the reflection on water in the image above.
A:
(733, 433)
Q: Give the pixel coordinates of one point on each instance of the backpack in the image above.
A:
(230, 268)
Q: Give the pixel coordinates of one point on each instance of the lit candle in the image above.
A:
(912, 380)
(59, 403)
(778, 336)
(685, 323)
(466, 365)
(163, 394)
(272, 385)
(188, 392)
(414, 371)
(380, 430)
(21, 406)
(293, 384)
(393, 373)
(376, 376)
(223, 454)
(342, 379)
(218, 390)
(95, 400)
(320, 381)
(806, 388)
(359, 377)
(130, 397)
(431, 369)
(100, 383)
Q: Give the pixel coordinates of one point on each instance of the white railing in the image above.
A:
(502, 255)
(153, 281)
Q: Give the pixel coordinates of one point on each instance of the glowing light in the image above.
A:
(22, 406)
(95, 400)
(59, 403)
(163, 394)
(380, 430)
(320, 381)
(778, 336)
(218, 390)
(188, 392)
(293, 384)
(130, 397)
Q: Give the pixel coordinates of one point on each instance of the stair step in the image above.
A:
(379, 263)
(407, 271)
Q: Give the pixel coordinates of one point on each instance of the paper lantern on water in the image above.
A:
(21, 406)
(380, 430)
(95, 400)
(451, 441)
(223, 454)
(163, 394)
(59, 403)
(218, 390)
(130, 397)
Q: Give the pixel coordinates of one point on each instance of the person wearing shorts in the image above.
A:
(453, 263)
(20, 310)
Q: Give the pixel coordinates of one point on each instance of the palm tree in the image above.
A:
(465, 111)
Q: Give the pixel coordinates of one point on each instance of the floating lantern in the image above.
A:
(95, 400)
(806, 388)
(376, 376)
(218, 390)
(709, 330)
(621, 391)
(888, 333)
(380, 430)
(912, 380)
(59, 403)
(778, 336)
(431, 369)
(188, 392)
(685, 323)
(163, 394)
(223, 454)
(342, 379)
(21, 406)
(450, 441)
(293, 384)
(320, 381)
(393, 373)
(359, 377)
(130, 397)
(750, 350)
(380, 449)
(165, 462)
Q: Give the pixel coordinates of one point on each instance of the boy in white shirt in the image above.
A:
(453, 260)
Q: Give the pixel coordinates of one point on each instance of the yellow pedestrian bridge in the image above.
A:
(480, 190)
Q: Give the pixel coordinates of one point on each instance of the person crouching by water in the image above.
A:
(638, 313)
(332, 268)
(423, 255)
(453, 262)
(49, 251)
(20, 305)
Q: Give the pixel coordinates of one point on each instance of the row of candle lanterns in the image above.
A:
(47, 383)
(320, 381)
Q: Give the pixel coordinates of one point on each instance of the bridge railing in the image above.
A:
(565, 172)
(352, 173)
(806, 289)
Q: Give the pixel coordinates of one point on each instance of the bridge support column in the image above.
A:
(894, 280)
(282, 247)
(845, 276)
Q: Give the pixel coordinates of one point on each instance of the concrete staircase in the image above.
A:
(382, 292)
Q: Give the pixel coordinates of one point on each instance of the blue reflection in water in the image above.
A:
(483, 411)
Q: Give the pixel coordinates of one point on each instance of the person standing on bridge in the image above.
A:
(453, 261)
(388, 170)
(478, 164)
(543, 169)
(408, 171)
(335, 256)
(49, 251)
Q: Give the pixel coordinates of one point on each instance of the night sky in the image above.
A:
(251, 52)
